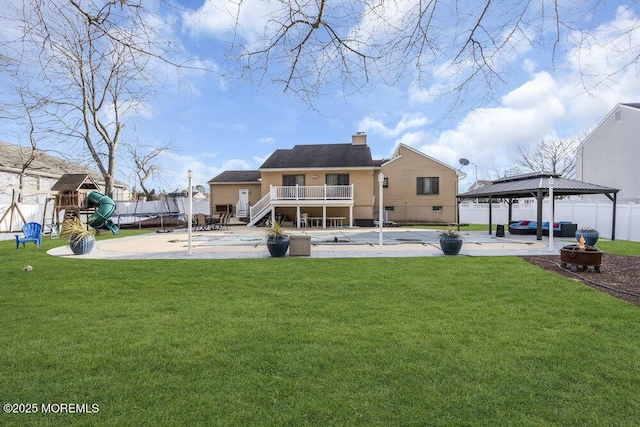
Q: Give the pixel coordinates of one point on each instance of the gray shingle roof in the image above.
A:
(13, 157)
(245, 176)
(528, 185)
(320, 156)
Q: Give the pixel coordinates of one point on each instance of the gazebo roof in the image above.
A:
(529, 185)
(536, 185)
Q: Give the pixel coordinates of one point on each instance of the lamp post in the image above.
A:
(190, 210)
(475, 184)
(551, 222)
(380, 208)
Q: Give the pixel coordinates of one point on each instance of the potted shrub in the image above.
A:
(589, 234)
(81, 240)
(277, 240)
(450, 241)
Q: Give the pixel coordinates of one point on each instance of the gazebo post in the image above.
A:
(613, 219)
(490, 214)
(539, 215)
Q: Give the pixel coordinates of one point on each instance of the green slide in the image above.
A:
(100, 218)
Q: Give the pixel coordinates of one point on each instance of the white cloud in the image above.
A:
(236, 164)
(421, 95)
(595, 77)
(221, 17)
(414, 139)
(408, 121)
(178, 165)
(488, 136)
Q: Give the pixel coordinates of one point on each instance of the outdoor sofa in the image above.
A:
(560, 228)
(523, 227)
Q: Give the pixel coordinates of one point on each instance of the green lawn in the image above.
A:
(289, 341)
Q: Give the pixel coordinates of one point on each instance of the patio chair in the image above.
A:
(201, 222)
(32, 232)
(304, 220)
(224, 221)
(214, 223)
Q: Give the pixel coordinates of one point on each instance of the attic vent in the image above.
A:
(618, 116)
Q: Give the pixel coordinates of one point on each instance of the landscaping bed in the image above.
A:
(620, 276)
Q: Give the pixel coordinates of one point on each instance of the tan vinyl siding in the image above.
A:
(401, 193)
(228, 194)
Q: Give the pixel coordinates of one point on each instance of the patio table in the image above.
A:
(332, 221)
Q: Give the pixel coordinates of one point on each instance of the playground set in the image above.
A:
(76, 196)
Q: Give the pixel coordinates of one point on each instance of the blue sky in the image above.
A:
(221, 123)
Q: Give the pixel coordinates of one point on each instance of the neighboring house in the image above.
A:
(610, 154)
(43, 172)
(331, 184)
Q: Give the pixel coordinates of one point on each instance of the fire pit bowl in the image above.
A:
(575, 257)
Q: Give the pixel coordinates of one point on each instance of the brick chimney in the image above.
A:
(360, 138)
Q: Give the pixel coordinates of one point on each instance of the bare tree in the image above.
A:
(202, 189)
(29, 155)
(98, 62)
(556, 156)
(145, 163)
(25, 113)
(307, 43)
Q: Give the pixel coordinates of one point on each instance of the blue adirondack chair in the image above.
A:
(32, 232)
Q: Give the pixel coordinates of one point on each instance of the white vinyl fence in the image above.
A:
(126, 212)
(598, 215)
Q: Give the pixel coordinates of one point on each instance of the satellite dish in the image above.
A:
(464, 162)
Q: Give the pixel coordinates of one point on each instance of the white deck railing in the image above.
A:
(312, 192)
(260, 206)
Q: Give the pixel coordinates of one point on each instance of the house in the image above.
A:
(42, 173)
(610, 154)
(337, 184)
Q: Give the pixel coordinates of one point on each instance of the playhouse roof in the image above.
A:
(75, 182)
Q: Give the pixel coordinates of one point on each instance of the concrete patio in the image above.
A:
(245, 242)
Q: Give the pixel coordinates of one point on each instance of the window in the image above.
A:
(337, 179)
(292, 180)
(430, 185)
(385, 182)
(437, 208)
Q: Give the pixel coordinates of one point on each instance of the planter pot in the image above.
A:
(590, 236)
(278, 246)
(83, 245)
(450, 245)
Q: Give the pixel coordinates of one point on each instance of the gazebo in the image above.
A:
(537, 185)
